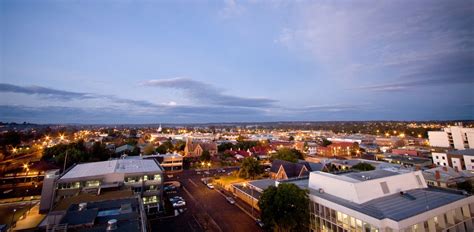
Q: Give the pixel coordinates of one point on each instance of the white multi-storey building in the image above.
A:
(456, 137)
(459, 160)
(385, 201)
(144, 177)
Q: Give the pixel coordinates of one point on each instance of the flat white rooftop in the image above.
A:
(121, 166)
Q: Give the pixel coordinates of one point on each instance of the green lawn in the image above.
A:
(228, 180)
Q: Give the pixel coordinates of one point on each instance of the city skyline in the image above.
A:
(232, 61)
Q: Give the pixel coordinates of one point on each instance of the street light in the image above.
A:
(11, 222)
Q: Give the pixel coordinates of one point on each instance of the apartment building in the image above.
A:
(459, 160)
(144, 177)
(457, 137)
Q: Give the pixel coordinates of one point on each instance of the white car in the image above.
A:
(210, 186)
(230, 200)
(179, 204)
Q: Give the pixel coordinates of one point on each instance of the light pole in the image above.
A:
(11, 222)
(65, 160)
(25, 166)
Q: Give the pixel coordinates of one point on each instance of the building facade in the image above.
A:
(459, 160)
(456, 137)
(385, 201)
(144, 177)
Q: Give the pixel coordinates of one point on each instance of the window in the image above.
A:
(444, 157)
(437, 157)
(437, 163)
(384, 187)
(92, 183)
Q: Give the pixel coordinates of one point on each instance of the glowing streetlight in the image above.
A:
(61, 137)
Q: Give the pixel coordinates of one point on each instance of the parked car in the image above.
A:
(210, 186)
(207, 172)
(176, 199)
(260, 223)
(205, 180)
(230, 200)
(198, 172)
(169, 188)
(179, 204)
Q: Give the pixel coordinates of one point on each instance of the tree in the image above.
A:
(12, 138)
(355, 148)
(363, 167)
(326, 142)
(179, 146)
(205, 156)
(99, 152)
(168, 145)
(135, 151)
(285, 208)
(466, 185)
(161, 149)
(224, 147)
(291, 155)
(149, 149)
(250, 168)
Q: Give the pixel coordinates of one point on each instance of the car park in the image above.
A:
(230, 200)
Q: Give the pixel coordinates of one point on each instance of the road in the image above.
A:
(207, 209)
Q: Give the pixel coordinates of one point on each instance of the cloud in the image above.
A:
(231, 8)
(111, 115)
(386, 41)
(208, 94)
(43, 91)
(69, 95)
(407, 85)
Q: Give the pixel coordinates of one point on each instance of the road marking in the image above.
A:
(240, 207)
(192, 182)
(195, 219)
(203, 209)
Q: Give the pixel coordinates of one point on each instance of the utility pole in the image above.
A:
(65, 160)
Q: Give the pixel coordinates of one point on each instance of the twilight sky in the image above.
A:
(227, 61)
